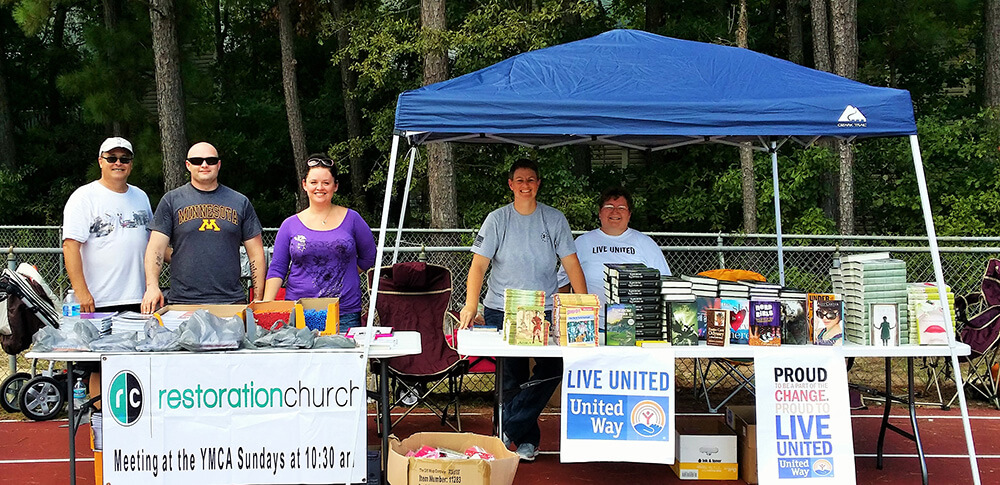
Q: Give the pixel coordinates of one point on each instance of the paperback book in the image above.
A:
(684, 323)
(795, 327)
(717, 327)
(828, 322)
(531, 326)
(579, 329)
(620, 321)
(765, 323)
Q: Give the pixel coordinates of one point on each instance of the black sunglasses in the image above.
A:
(200, 160)
(124, 160)
(313, 162)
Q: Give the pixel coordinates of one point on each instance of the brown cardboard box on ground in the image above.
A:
(706, 449)
(403, 470)
(743, 420)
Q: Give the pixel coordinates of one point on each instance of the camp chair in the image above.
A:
(414, 296)
(738, 371)
(978, 316)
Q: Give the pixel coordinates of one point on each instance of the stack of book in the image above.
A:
(515, 300)
(575, 317)
(866, 279)
(706, 292)
(676, 293)
(796, 328)
(762, 290)
(638, 285)
(923, 300)
(733, 289)
(103, 322)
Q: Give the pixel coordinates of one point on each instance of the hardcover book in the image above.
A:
(765, 323)
(531, 328)
(884, 324)
(579, 329)
(684, 323)
(717, 326)
(828, 322)
(740, 308)
(795, 327)
(930, 324)
(620, 321)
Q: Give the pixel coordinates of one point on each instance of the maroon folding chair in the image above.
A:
(415, 296)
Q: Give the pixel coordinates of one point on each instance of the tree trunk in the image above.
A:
(6, 117)
(55, 63)
(220, 33)
(820, 35)
(656, 14)
(352, 114)
(796, 49)
(169, 92)
(111, 10)
(746, 153)
(440, 162)
(992, 41)
(845, 63)
(295, 129)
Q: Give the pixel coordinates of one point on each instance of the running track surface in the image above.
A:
(37, 452)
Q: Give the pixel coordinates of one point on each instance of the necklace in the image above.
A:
(327, 215)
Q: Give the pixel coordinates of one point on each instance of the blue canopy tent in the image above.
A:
(648, 92)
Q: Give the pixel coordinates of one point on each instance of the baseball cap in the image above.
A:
(115, 142)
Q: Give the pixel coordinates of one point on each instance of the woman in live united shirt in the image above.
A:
(320, 252)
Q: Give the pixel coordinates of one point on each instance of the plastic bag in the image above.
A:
(334, 342)
(119, 342)
(287, 338)
(67, 339)
(205, 332)
(158, 338)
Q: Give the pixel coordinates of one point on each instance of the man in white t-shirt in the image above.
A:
(104, 239)
(614, 242)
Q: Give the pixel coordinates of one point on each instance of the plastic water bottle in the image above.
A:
(70, 308)
(80, 399)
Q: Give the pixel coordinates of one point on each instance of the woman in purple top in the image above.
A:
(320, 252)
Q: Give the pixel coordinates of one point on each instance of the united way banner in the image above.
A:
(618, 405)
(803, 417)
(262, 417)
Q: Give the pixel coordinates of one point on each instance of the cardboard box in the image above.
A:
(287, 308)
(332, 307)
(221, 311)
(402, 470)
(743, 420)
(706, 449)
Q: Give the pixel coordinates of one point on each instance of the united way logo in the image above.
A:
(822, 467)
(126, 399)
(648, 418)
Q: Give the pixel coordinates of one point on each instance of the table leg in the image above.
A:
(885, 413)
(383, 389)
(72, 423)
(913, 420)
(498, 405)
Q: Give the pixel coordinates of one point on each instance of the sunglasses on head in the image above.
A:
(314, 162)
(200, 160)
(124, 160)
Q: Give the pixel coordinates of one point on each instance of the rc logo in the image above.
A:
(126, 398)
(852, 117)
(648, 418)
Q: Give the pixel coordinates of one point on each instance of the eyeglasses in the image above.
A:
(828, 314)
(609, 207)
(124, 160)
(313, 162)
(200, 160)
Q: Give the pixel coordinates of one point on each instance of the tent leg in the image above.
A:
(382, 230)
(777, 212)
(402, 208)
(925, 204)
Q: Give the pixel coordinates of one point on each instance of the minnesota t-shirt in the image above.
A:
(206, 230)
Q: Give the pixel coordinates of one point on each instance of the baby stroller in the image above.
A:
(25, 307)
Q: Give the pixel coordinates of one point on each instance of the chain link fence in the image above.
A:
(807, 262)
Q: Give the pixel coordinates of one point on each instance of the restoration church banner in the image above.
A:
(804, 431)
(618, 405)
(222, 418)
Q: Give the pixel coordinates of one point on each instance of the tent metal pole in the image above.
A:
(383, 227)
(402, 208)
(925, 204)
(777, 212)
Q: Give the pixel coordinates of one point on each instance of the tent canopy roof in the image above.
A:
(643, 90)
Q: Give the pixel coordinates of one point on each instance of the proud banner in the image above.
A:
(618, 405)
(804, 431)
